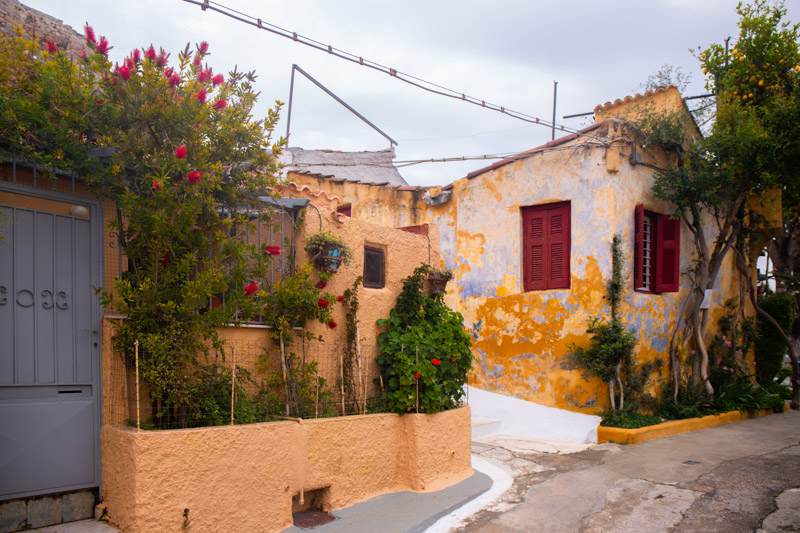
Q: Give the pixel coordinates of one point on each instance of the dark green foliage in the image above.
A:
(423, 337)
(770, 348)
(303, 389)
(628, 419)
(736, 394)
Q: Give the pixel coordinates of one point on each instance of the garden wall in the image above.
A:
(244, 477)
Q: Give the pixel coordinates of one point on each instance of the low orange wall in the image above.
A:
(243, 478)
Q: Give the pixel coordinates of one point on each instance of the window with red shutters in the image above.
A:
(546, 241)
(656, 252)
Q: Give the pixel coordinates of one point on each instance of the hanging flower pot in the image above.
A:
(328, 251)
(437, 281)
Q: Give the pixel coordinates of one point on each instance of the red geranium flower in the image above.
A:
(124, 72)
(322, 303)
(417, 376)
(220, 104)
(321, 284)
(201, 96)
(51, 47)
(332, 324)
(194, 176)
(203, 47)
(89, 32)
(272, 250)
(340, 298)
(180, 151)
(157, 185)
(435, 361)
(219, 79)
(251, 289)
(102, 46)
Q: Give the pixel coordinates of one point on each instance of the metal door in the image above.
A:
(49, 354)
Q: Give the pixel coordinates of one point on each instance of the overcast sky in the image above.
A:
(506, 52)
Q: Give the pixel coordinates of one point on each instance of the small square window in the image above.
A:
(373, 268)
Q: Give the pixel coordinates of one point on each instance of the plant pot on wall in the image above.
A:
(437, 281)
(329, 258)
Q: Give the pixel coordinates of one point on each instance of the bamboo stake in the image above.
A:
(285, 381)
(360, 375)
(316, 397)
(136, 350)
(416, 400)
(233, 378)
(341, 376)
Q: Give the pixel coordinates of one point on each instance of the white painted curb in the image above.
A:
(501, 482)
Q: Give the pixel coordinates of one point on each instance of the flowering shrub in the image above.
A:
(184, 176)
(423, 348)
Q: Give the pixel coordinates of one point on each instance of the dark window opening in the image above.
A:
(346, 210)
(373, 268)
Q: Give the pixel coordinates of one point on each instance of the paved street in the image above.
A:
(738, 477)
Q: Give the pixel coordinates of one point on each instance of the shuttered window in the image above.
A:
(656, 252)
(546, 231)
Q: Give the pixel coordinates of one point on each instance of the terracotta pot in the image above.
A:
(437, 283)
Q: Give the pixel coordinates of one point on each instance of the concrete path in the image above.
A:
(737, 477)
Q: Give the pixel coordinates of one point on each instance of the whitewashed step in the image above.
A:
(484, 427)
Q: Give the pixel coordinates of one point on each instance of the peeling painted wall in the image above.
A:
(520, 338)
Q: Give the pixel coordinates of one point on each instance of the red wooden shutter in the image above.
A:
(558, 247)
(668, 251)
(534, 240)
(638, 247)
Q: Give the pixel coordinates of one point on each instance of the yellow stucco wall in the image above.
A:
(243, 478)
(520, 338)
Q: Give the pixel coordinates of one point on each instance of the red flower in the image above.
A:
(272, 250)
(89, 32)
(197, 61)
(331, 272)
(102, 46)
(168, 72)
(201, 96)
(417, 376)
(194, 176)
(137, 56)
(220, 104)
(219, 79)
(435, 361)
(157, 185)
(51, 47)
(251, 289)
(165, 259)
(203, 76)
(321, 284)
(340, 298)
(124, 72)
(203, 48)
(174, 80)
(323, 303)
(162, 60)
(332, 324)
(150, 53)
(180, 151)
(128, 62)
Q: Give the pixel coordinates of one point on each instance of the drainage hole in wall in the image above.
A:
(310, 513)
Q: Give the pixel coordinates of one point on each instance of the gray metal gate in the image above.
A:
(49, 352)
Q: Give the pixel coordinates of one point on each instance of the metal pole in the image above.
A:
(289, 111)
(555, 91)
(136, 350)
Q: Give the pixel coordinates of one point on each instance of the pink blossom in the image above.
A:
(137, 56)
(129, 64)
(162, 60)
(174, 80)
(89, 32)
(251, 289)
(692, 352)
(203, 76)
(197, 61)
(124, 72)
(102, 46)
(194, 176)
(219, 79)
(180, 151)
(201, 96)
(203, 47)
(220, 104)
(157, 185)
(51, 47)
(168, 72)
(150, 53)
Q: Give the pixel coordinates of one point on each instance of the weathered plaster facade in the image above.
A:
(520, 338)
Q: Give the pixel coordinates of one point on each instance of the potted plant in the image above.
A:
(328, 251)
(437, 280)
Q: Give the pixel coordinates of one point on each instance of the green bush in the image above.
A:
(628, 419)
(770, 348)
(424, 348)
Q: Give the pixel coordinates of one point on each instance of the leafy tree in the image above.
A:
(188, 161)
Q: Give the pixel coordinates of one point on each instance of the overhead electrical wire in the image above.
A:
(353, 58)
